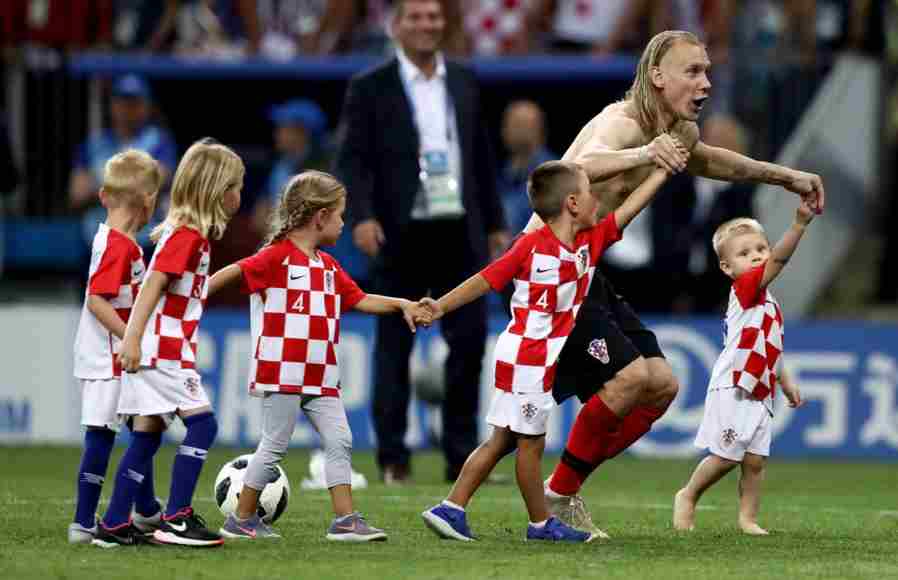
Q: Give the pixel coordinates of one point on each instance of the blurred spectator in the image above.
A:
(65, 24)
(369, 34)
(282, 29)
(709, 203)
(496, 27)
(416, 160)
(576, 26)
(299, 127)
(130, 126)
(524, 137)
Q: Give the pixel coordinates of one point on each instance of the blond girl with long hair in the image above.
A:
(158, 352)
(297, 295)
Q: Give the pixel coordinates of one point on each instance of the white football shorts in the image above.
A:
(161, 391)
(734, 424)
(99, 403)
(524, 413)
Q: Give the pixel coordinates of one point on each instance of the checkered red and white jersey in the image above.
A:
(753, 343)
(170, 337)
(295, 307)
(116, 271)
(550, 283)
(493, 25)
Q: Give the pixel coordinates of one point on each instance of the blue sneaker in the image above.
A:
(448, 522)
(556, 531)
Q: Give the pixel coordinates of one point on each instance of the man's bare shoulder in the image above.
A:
(617, 123)
(613, 128)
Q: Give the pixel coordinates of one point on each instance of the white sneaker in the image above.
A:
(571, 510)
(78, 534)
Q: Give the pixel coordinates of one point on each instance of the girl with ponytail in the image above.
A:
(297, 295)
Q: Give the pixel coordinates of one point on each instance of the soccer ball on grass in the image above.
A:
(229, 483)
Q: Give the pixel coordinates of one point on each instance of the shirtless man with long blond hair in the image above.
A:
(611, 361)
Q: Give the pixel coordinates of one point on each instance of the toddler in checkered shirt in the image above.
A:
(736, 427)
(131, 181)
(551, 269)
(297, 295)
(158, 352)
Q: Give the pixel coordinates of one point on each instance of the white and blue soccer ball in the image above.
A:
(229, 482)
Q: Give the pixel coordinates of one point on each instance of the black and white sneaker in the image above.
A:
(123, 535)
(187, 528)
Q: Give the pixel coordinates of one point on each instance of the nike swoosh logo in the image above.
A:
(543, 270)
(297, 277)
(182, 527)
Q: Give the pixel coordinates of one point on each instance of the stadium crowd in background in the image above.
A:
(789, 44)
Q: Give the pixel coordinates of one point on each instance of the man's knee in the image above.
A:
(632, 378)
(662, 386)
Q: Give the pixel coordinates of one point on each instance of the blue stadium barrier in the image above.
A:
(506, 69)
(55, 244)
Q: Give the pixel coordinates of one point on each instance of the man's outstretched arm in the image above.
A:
(726, 165)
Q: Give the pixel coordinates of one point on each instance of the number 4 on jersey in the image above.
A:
(298, 305)
(543, 301)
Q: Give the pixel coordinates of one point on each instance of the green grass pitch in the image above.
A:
(830, 520)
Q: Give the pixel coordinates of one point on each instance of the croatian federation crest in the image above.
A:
(193, 386)
(598, 349)
(728, 437)
(583, 259)
(529, 411)
(329, 281)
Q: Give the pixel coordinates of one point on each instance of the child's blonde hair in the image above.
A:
(207, 170)
(303, 195)
(130, 175)
(549, 185)
(735, 227)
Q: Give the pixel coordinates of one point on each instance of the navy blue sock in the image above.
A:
(130, 475)
(145, 502)
(201, 431)
(98, 445)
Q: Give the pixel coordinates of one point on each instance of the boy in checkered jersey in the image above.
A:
(552, 269)
(739, 405)
(297, 294)
(158, 352)
(131, 181)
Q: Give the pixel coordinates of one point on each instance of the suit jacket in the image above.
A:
(377, 157)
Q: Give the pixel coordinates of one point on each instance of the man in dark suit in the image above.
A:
(422, 203)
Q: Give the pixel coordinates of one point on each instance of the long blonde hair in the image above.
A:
(303, 196)
(642, 92)
(207, 170)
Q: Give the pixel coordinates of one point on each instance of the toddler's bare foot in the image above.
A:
(753, 529)
(683, 512)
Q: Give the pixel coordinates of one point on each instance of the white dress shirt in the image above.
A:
(432, 111)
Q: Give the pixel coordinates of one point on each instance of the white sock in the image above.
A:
(553, 494)
(539, 524)
(448, 503)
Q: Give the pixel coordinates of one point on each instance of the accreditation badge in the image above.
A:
(439, 196)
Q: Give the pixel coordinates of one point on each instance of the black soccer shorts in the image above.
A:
(607, 337)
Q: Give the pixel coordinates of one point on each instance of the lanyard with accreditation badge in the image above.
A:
(438, 196)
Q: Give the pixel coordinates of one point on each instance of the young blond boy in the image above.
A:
(551, 269)
(131, 181)
(737, 424)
